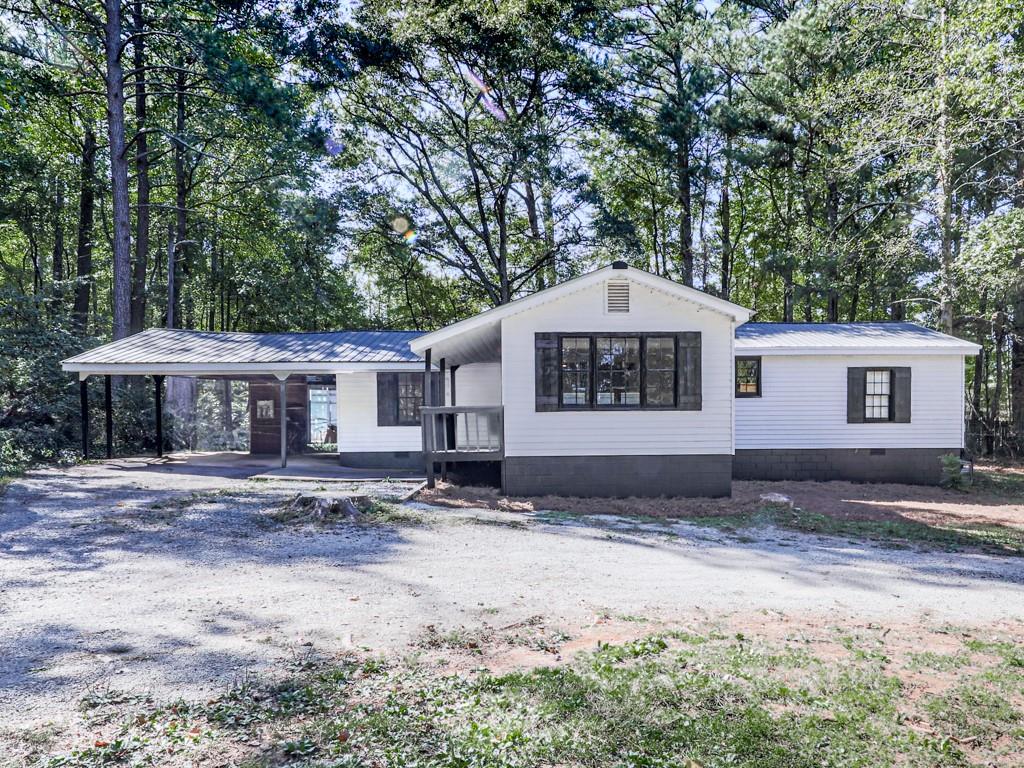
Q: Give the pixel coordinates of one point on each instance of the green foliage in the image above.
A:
(952, 472)
(38, 402)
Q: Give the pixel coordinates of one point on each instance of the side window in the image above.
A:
(748, 377)
(877, 392)
(399, 398)
(410, 398)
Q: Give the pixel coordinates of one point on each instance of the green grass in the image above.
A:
(1006, 484)
(994, 538)
(662, 700)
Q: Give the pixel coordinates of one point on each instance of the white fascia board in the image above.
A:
(965, 349)
(739, 314)
(222, 369)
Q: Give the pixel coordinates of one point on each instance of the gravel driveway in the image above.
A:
(178, 583)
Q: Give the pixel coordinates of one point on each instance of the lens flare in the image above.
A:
(409, 236)
(400, 224)
(485, 98)
(334, 148)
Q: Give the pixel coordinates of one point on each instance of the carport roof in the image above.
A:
(204, 352)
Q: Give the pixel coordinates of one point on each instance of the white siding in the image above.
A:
(560, 433)
(477, 384)
(357, 419)
(803, 404)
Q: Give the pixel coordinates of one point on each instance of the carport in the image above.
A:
(277, 359)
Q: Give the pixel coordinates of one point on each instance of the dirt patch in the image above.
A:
(841, 500)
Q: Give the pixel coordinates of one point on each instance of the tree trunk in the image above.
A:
(172, 281)
(86, 218)
(944, 155)
(535, 234)
(725, 213)
(685, 211)
(1017, 323)
(120, 203)
(57, 263)
(141, 264)
(181, 249)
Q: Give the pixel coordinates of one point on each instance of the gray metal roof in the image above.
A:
(839, 337)
(165, 346)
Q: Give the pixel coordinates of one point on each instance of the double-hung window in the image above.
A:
(877, 394)
(410, 398)
(627, 371)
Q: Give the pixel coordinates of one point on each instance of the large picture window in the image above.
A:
(620, 371)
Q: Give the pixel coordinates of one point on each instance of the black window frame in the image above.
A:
(891, 403)
(592, 404)
(736, 378)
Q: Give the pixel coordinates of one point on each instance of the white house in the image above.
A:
(615, 383)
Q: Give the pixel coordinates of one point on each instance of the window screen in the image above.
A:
(877, 389)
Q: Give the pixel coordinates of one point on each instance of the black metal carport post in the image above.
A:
(158, 396)
(427, 421)
(83, 391)
(283, 401)
(108, 403)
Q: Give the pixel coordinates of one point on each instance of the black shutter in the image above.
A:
(901, 395)
(688, 371)
(546, 371)
(387, 399)
(855, 395)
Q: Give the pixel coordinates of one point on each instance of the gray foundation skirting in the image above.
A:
(618, 476)
(381, 459)
(916, 466)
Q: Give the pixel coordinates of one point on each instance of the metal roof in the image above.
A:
(877, 337)
(160, 346)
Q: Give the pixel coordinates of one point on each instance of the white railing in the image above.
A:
(463, 432)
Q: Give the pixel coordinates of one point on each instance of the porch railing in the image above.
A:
(463, 432)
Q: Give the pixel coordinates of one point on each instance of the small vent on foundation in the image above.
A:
(617, 296)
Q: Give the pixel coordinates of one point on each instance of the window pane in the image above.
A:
(575, 370)
(618, 370)
(660, 364)
(661, 387)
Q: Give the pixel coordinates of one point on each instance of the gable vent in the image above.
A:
(617, 296)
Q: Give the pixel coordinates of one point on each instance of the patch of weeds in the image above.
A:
(385, 513)
(940, 662)
(462, 639)
(635, 649)
(971, 711)
(1011, 654)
